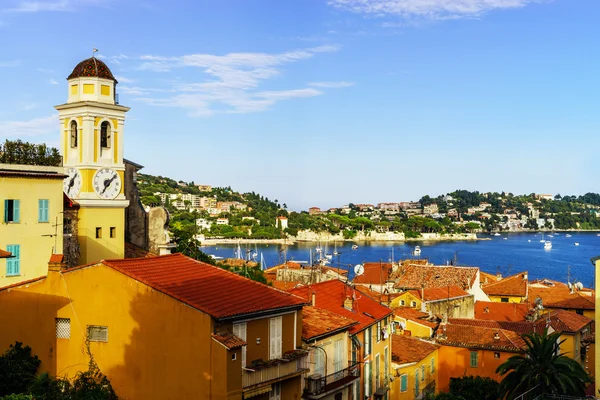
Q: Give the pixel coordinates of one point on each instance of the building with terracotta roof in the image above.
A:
(557, 295)
(411, 322)
(495, 311)
(596, 353)
(376, 276)
(415, 364)
(474, 350)
(298, 273)
(325, 335)
(451, 301)
(418, 276)
(31, 204)
(161, 327)
(370, 336)
(512, 289)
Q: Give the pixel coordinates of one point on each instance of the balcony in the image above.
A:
(265, 373)
(317, 386)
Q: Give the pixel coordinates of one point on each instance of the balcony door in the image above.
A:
(275, 393)
(338, 359)
(239, 330)
(276, 338)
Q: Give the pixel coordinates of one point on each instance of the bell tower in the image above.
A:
(91, 141)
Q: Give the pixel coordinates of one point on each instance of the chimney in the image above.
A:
(496, 336)
(498, 276)
(313, 300)
(348, 303)
(56, 263)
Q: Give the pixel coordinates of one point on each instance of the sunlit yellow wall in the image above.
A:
(408, 299)
(409, 370)
(28, 232)
(95, 249)
(568, 346)
(511, 299)
(158, 348)
(414, 328)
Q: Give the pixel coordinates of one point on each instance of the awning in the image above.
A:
(257, 391)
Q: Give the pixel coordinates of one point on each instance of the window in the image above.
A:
(378, 333)
(338, 350)
(474, 359)
(402, 302)
(234, 357)
(105, 135)
(43, 210)
(338, 396)
(404, 383)
(63, 328)
(413, 303)
(275, 338)
(98, 233)
(368, 378)
(496, 355)
(113, 232)
(13, 264)
(319, 361)
(504, 299)
(240, 330)
(579, 311)
(97, 333)
(275, 393)
(377, 371)
(432, 365)
(417, 382)
(422, 373)
(73, 134)
(386, 362)
(367, 341)
(11, 210)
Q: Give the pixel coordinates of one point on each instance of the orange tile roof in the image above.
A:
(480, 338)
(436, 294)
(56, 258)
(213, 290)
(568, 321)
(576, 301)
(229, 340)
(433, 276)
(383, 298)
(485, 277)
(492, 310)
(5, 254)
(133, 251)
(413, 315)
(559, 296)
(519, 327)
(407, 349)
(330, 295)
(321, 322)
(375, 274)
(515, 285)
(283, 285)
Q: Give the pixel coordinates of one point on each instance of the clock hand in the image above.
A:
(71, 183)
(107, 183)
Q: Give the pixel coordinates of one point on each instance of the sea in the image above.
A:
(507, 254)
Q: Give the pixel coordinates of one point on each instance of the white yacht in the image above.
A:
(417, 251)
(576, 243)
(547, 245)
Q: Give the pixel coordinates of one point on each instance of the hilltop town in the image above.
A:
(104, 293)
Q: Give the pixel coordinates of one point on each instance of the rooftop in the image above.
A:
(5, 254)
(407, 349)
(413, 276)
(437, 294)
(515, 285)
(558, 295)
(492, 310)
(229, 340)
(331, 295)
(318, 322)
(375, 273)
(213, 290)
(519, 327)
(413, 315)
(92, 67)
(480, 338)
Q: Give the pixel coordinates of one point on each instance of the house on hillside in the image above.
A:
(415, 364)
(370, 343)
(325, 335)
(512, 289)
(557, 295)
(161, 327)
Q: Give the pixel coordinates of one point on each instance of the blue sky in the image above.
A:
(325, 102)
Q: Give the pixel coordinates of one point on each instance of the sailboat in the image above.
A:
(335, 250)
(542, 241)
(547, 245)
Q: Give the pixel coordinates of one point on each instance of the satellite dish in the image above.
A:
(359, 269)
(579, 285)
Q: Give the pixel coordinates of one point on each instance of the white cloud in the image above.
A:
(10, 64)
(122, 79)
(431, 9)
(34, 127)
(53, 82)
(50, 6)
(227, 84)
(341, 84)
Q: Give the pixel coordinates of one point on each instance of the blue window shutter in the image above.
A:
(16, 207)
(40, 210)
(47, 210)
(17, 259)
(13, 264)
(404, 383)
(5, 210)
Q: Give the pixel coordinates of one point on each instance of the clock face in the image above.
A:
(107, 183)
(72, 183)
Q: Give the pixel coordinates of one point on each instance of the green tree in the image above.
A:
(543, 366)
(17, 369)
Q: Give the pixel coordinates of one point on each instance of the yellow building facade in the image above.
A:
(406, 299)
(416, 373)
(91, 140)
(31, 202)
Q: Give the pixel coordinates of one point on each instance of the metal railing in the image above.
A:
(282, 368)
(315, 386)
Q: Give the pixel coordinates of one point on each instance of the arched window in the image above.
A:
(105, 135)
(73, 134)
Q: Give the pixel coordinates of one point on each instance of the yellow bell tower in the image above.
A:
(91, 126)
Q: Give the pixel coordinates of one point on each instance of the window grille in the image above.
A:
(97, 333)
(63, 328)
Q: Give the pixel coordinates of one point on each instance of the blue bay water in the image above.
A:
(518, 252)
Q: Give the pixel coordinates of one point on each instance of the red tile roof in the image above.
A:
(22, 283)
(213, 290)
(518, 327)
(558, 295)
(486, 278)
(515, 285)
(330, 295)
(568, 321)
(480, 338)
(496, 311)
(576, 301)
(436, 294)
(56, 259)
(5, 254)
(133, 251)
(407, 349)
(229, 340)
(415, 316)
(283, 285)
(433, 276)
(375, 273)
(320, 322)
(382, 298)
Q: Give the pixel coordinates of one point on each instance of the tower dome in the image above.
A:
(92, 67)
